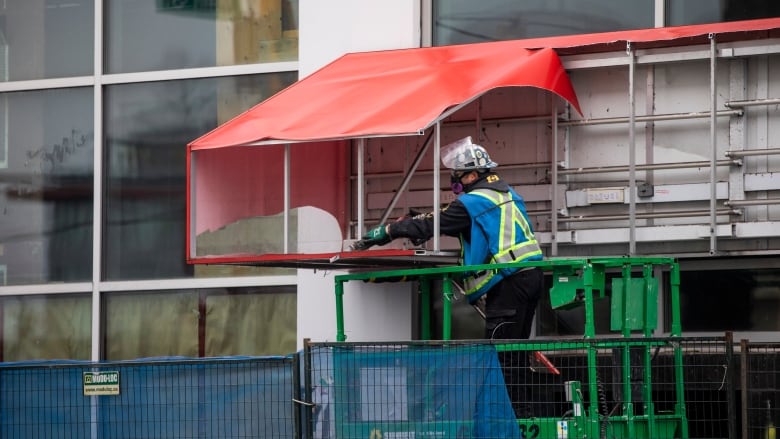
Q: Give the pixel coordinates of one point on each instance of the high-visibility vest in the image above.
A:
(500, 233)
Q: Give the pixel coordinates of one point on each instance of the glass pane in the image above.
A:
(235, 319)
(148, 126)
(151, 324)
(46, 327)
(467, 21)
(147, 35)
(197, 323)
(679, 12)
(46, 172)
(46, 39)
(730, 300)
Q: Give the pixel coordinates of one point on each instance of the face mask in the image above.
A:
(456, 185)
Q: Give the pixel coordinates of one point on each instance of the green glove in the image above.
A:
(376, 236)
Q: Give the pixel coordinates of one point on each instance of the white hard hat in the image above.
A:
(465, 155)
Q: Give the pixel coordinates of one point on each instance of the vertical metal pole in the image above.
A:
(360, 188)
(647, 275)
(679, 376)
(308, 390)
(744, 352)
(295, 393)
(649, 176)
(286, 198)
(340, 335)
(97, 179)
(97, 202)
(590, 316)
(660, 13)
(647, 376)
(674, 285)
(713, 146)
(436, 186)
(631, 152)
(626, 293)
(446, 331)
(554, 183)
(730, 389)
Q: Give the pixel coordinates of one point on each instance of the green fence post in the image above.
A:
(340, 335)
(590, 315)
(674, 275)
(446, 331)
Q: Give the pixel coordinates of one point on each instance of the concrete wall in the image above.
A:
(328, 30)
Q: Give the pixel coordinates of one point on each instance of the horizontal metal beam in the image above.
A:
(760, 202)
(654, 215)
(751, 103)
(647, 167)
(671, 54)
(752, 152)
(648, 118)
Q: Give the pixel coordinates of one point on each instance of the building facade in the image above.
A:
(99, 99)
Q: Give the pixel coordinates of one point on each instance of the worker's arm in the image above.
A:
(454, 221)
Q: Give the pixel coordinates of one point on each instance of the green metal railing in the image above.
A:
(576, 282)
(579, 282)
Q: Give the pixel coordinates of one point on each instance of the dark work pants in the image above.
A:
(509, 310)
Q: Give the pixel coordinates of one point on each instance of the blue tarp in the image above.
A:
(431, 391)
(159, 398)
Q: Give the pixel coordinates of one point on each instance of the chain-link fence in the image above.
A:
(681, 387)
(759, 389)
(170, 398)
(608, 388)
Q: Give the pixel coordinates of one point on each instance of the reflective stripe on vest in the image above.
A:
(508, 249)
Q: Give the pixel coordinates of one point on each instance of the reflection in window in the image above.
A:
(145, 35)
(46, 39)
(201, 323)
(46, 327)
(680, 12)
(467, 21)
(46, 181)
(148, 126)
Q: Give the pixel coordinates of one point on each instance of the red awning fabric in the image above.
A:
(401, 92)
(398, 92)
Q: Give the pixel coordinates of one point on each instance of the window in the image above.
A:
(46, 327)
(466, 21)
(46, 39)
(201, 323)
(680, 12)
(46, 186)
(148, 126)
(145, 35)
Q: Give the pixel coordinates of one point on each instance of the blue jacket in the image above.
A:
(500, 233)
(475, 218)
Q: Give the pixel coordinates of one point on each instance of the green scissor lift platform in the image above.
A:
(578, 282)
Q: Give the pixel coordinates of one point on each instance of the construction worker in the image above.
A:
(491, 221)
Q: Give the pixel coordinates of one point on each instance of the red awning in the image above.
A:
(398, 92)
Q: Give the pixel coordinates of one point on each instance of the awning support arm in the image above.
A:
(436, 186)
(406, 180)
(286, 233)
(361, 180)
